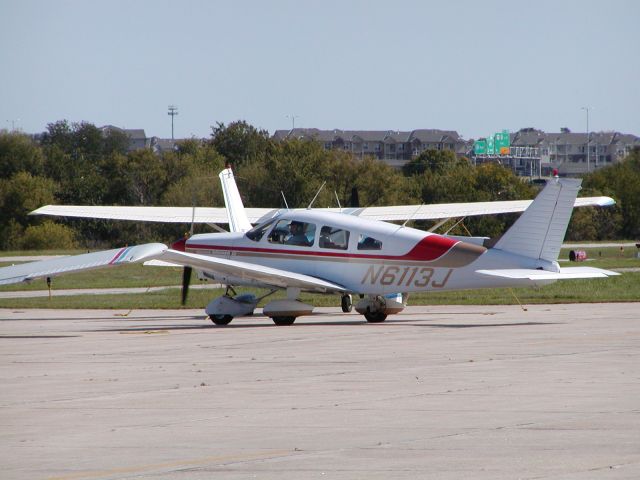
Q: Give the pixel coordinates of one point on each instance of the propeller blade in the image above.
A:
(354, 201)
(186, 280)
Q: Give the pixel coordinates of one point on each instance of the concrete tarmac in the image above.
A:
(443, 392)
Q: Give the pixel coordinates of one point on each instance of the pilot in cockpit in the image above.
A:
(297, 237)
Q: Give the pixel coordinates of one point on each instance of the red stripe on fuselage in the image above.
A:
(428, 249)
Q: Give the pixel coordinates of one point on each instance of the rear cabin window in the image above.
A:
(293, 232)
(335, 238)
(368, 243)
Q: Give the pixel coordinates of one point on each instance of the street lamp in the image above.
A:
(586, 109)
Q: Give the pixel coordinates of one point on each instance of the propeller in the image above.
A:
(186, 280)
(354, 201)
(186, 271)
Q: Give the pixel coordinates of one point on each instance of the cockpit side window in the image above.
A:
(257, 232)
(293, 232)
(368, 243)
(334, 238)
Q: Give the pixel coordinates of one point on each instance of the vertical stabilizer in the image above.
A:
(540, 230)
(238, 221)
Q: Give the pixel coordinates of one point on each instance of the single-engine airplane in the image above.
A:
(343, 252)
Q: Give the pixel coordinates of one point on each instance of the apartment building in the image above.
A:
(575, 153)
(391, 146)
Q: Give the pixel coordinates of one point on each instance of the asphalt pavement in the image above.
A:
(443, 392)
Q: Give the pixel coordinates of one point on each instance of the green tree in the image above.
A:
(18, 153)
(240, 143)
(59, 134)
(19, 195)
(115, 141)
(23, 193)
(622, 182)
(145, 176)
(437, 161)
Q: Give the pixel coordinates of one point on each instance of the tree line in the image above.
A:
(78, 164)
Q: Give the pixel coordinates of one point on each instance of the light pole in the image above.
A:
(173, 111)
(293, 120)
(586, 109)
(13, 123)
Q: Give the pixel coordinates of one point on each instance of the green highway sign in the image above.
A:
(497, 144)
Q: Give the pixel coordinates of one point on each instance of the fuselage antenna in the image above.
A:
(338, 200)
(318, 193)
(285, 199)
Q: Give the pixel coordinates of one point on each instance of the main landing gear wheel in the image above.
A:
(221, 319)
(375, 317)
(346, 303)
(282, 321)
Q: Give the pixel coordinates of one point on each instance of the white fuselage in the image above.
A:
(396, 259)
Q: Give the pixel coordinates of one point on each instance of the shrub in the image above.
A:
(48, 235)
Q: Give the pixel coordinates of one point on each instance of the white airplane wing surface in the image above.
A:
(213, 215)
(249, 271)
(209, 215)
(454, 210)
(154, 252)
(48, 268)
(563, 274)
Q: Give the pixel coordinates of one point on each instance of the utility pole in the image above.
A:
(173, 111)
(586, 109)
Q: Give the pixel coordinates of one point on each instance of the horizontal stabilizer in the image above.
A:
(48, 268)
(564, 274)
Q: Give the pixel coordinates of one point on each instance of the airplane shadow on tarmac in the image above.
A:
(301, 324)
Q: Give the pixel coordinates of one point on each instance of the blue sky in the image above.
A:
(473, 66)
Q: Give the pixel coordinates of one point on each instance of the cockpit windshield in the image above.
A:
(258, 231)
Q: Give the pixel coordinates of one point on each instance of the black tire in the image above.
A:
(221, 319)
(375, 317)
(282, 321)
(346, 303)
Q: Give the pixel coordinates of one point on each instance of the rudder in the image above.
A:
(238, 221)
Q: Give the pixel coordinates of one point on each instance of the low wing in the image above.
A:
(106, 258)
(563, 274)
(249, 271)
(160, 253)
(213, 215)
(209, 215)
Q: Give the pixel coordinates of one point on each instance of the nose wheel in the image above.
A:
(221, 319)
(377, 316)
(283, 320)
